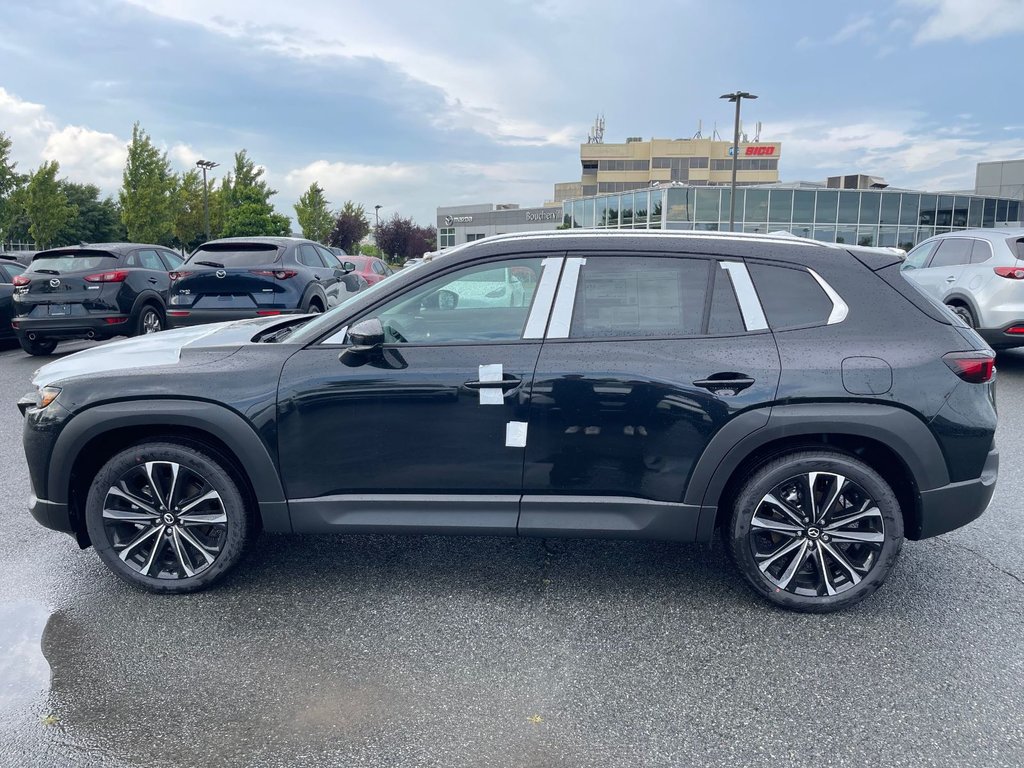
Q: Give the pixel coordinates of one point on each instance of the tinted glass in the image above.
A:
(332, 260)
(790, 297)
(803, 207)
(488, 302)
(756, 206)
(706, 205)
(725, 310)
(640, 297)
(869, 204)
(890, 209)
(146, 260)
(780, 207)
(9, 269)
(849, 207)
(916, 258)
(982, 251)
(825, 210)
(71, 262)
(307, 255)
(236, 254)
(909, 205)
(378, 267)
(952, 251)
(926, 216)
(172, 260)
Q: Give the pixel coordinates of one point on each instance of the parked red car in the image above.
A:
(370, 267)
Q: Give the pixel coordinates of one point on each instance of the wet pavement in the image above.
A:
(423, 651)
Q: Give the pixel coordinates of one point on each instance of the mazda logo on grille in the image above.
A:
(221, 273)
(55, 283)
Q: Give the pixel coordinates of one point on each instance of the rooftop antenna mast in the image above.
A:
(714, 133)
(596, 135)
(700, 127)
(757, 133)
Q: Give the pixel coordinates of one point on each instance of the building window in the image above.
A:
(624, 165)
(446, 237)
(476, 236)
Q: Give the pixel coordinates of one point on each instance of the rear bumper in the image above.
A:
(181, 318)
(957, 504)
(89, 327)
(998, 338)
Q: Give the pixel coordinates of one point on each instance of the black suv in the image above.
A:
(92, 292)
(241, 277)
(804, 399)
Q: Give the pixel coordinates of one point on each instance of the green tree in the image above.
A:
(47, 205)
(313, 214)
(146, 191)
(251, 215)
(187, 222)
(10, 182)
(246, 176)
(98, 221)
(350, 226)
(369, 249)
(14, 223)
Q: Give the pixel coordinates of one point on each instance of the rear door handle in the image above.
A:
(153, 280)
(734, 382)
(509, 382)
(951, 279)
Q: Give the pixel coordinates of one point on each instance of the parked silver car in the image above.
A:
(979, 274)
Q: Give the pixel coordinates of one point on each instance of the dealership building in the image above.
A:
(458, 224)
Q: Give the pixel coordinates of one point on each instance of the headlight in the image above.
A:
(46, 395)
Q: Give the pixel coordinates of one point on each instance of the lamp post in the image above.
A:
(376, 213)
(206, 165)
(737, 97)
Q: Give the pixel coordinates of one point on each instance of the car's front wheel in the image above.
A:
(167, 517)
(815, 531)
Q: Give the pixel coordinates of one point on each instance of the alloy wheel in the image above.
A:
(816, 534)
(151, 322)
(165, 520)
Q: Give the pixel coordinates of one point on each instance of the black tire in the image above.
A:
(964, 313)
(116, 524)
(37, 346)
(150, 320)
(313, 307)
(819, 582)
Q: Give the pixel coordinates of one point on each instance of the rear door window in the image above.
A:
(640, 297)
(307, 255)
(790, 297)
(952, 252)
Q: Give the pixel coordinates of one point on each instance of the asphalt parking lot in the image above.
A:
(389, 651)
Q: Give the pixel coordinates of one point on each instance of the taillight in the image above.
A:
(975, 367)
(280, 274)
(1015, 330)
(268, 312)
(113, 276)
(21, 280)
(1013, 273)
(178, 275)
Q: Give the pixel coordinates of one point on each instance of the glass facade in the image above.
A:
(864, 217)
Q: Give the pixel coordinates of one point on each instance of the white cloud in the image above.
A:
(972, 20)
(87, 155)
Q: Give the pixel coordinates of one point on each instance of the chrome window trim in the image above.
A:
(839, 307)
(750, 306)
(537, 321)
(561, 315)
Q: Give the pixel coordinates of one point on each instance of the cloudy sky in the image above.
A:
(411, 105)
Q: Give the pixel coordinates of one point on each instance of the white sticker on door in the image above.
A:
(492, 396)
(493, 372)
(515, 434)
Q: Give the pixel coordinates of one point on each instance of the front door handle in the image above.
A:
(153, 280)
(725, 383)
(507, 383)
(951, 279)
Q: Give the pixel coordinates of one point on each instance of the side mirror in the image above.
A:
(348, 266)
(367, 337)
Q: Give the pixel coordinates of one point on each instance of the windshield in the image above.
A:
(236, 255)
(61, 263)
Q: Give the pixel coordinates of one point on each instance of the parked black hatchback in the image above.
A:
(91, 292)
(241, 277)
(803, 399)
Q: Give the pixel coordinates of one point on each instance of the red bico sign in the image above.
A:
(757, 150)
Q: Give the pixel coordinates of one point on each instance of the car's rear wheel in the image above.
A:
(815, 531)
(964, 313)
(37, 346)
(167, 517)
(149, 321)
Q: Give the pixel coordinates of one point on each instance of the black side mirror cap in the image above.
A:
(367, 337)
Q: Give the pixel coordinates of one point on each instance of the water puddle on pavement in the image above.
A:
(24, 673)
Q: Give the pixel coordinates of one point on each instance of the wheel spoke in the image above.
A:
(789, 511)
(158, 547)
(850, 537)
(214, 518)
(823, 569)
(183, 559)
(842, 561)
(776, 526)
(207, 554)
(811, 479)
(794, 565)
(150, 465)
(125, 494)
(174, 484)
(193, 503)
(128, 516)
(872, 512)
(138, 540)
(780, 552)
(840, 483)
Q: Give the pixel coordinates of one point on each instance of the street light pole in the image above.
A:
(206, 165)
(376, 213)
(737, 97)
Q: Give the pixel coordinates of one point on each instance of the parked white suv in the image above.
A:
(979, 274)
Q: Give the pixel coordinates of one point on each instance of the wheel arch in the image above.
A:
(314, 289)
(959, 297)
(93, 436)
(144, 299)
(894, 442)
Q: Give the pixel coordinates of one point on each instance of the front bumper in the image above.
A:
(181, 318)
(51, 514)
(955, 505)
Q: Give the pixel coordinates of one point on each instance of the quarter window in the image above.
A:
(791, 298)
(640, 297)
(981, 251)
